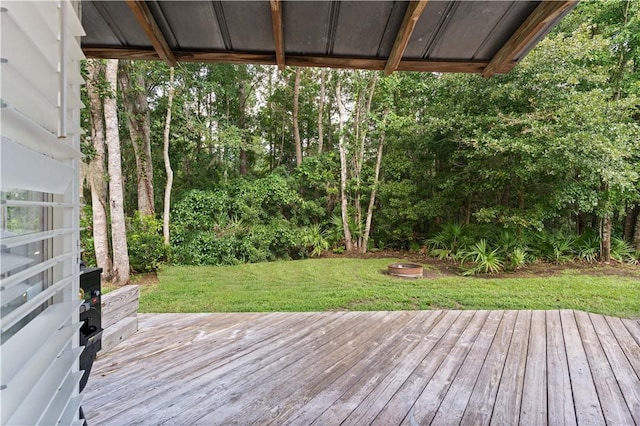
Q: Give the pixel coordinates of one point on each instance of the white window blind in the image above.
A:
(39, 212)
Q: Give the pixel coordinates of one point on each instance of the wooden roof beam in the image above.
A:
(152, 30)
(546, 12)
(411, 16)
(278, 33)
(293, 60)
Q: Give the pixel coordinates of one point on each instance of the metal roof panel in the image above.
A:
(427, 27)
(256, 15)
(193, 23)
(307, 26)
(361, 27)
(470, 24)
(487, 36)
(117, 16)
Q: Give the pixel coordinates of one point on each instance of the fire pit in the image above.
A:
(405, 270)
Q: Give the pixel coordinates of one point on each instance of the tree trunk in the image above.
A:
(636, 233)
(630, 222)
(323, 78)
(605, 241)
(167, 161)
(242, 93)
(362, 117)
(96, 172)
(342, 116)
(296, 128)
(116, 196)
(372, 198)
(134, 97)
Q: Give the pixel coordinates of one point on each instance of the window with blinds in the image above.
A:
(39, 212)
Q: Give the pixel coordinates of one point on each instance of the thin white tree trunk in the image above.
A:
(372, 198)
(296, 127)
(342, 116)
(167, 161)
(361, 131)
(96, 170)
(323, 78)
(114, 163)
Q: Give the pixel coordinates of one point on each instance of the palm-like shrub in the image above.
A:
(517, 258)
(557, 247)
(588, 247)
(314, 240)
(486, 261)
(449, 242)
(622, 250)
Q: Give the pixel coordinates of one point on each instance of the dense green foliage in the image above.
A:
(494, 173)
(358, 284)
(146, 247)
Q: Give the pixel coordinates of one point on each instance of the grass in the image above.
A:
(357, 284)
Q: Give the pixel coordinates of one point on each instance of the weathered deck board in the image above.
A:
(506, 410)
(412, 367)
(560, 399)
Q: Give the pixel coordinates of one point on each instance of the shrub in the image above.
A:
(588, 247)
(147, 251)
(314, 241)
(486, 261)
(86, 236)
(557, 247)
(622, 250)
(449, 243)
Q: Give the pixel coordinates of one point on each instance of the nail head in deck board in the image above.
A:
(507, 409)
(628, 381)
(117, 333)
(585, 397)
(559, 397)
(612, 402)
(257, 338)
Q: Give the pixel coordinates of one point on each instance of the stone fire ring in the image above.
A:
(405, 270)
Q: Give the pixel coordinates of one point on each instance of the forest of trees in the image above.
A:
(247, 163)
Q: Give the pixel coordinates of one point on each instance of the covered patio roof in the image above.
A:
(485, 37)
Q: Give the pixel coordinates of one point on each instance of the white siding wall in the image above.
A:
(39, 212)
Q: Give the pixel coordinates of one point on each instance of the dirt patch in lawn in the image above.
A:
(435, 268)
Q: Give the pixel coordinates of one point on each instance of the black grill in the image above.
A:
(91, 318)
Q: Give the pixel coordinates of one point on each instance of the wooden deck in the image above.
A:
(386, 368)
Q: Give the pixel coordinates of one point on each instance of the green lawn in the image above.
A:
(357, 284)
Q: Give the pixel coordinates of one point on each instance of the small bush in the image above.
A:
(314, 240)
(588, 247)
(486, 261)
(450, 242)
(622, 250)
(147, 251)
(86, 236)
